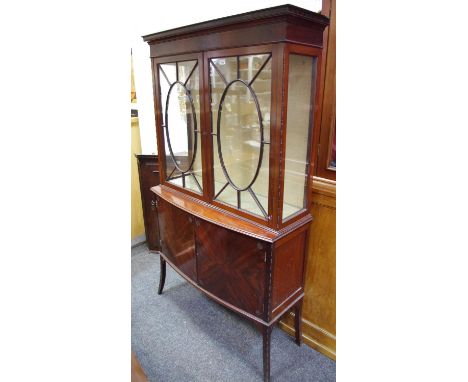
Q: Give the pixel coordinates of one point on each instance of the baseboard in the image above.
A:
(138, 240)
(312, 335)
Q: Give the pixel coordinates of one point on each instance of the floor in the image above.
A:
(183, 336)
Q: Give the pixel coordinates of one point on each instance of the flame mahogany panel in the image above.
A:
(232, 266)
(288, 265)
(177, 237)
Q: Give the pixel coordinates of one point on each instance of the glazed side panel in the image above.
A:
(232, 266)
(177, 237)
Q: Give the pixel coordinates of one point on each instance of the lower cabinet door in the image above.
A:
(231, 266)
(177, 237)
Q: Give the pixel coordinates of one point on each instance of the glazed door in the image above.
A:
(177, 238)
(231, 266)
(240, 91)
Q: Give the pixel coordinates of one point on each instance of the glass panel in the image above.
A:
(240, 130)
(249, 204)
(185, 68)
(301, 91)
(193, 84)
(250, 65)
(262, 88)
(260, 187)
(180, 123)
(239, 135)
(226, 68)
(169, 72)
(181, 115)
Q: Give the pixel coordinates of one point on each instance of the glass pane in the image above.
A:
(239, 135)
(226, 67)
(249, 204)
(260, 187)
(250, 65)
(185, 68)
(301, 90)
(193, 85)
(262, 88)
(180, 123)
(217, 86)
(181, 116)
(240, 129)
(169, 72)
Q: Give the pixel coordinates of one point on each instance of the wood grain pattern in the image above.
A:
(224, 218)
(177, 237)
(269, 25)
(231, 267)
(319, 306)
(148, 170)
(287, 269)
(329, 100)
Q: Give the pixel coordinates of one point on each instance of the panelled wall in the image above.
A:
(318, 311)
(319, 308)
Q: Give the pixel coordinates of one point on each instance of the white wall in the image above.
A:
(155, 16)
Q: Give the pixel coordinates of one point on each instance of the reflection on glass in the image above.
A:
(180, 118)
(180, 102)
(245, 82)
(240, 135)
(301, 93)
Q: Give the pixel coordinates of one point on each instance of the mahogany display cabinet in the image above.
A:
(237, 105)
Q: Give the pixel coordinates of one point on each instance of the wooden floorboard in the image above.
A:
(138, 375)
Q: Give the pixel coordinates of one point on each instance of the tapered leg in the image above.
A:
(298, 322)
(162, 274)
(266, 352)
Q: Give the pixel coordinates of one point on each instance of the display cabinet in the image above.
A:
(237, 102)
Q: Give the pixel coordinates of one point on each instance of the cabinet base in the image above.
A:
(266, 327)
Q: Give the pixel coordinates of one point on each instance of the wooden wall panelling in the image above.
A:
(329, 99)
(319, 306)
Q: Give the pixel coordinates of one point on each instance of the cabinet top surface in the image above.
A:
(223, 218)
(262, 15)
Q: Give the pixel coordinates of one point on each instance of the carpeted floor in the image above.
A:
(183, 336)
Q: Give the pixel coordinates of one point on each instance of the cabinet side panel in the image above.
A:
(232, 267)
(288, 269)
(149, 177)
(177, 237)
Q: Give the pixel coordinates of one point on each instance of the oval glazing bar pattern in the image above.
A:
(179, 91)
(245, 137)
